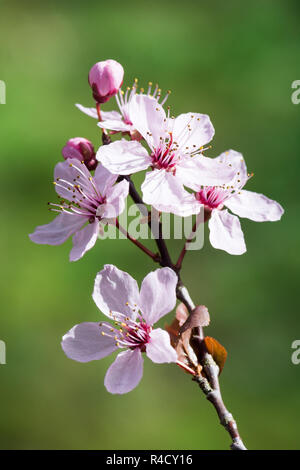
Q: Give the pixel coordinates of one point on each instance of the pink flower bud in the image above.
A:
(105, 78)
(82, 149)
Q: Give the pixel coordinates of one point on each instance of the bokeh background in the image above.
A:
(232, 60)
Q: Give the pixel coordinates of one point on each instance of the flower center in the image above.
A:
(128, 333)
(81, 195)
(165, 157)
(212, 197)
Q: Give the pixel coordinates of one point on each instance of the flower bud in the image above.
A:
(105, 79)
(82, 149)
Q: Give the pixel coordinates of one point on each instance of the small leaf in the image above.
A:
(199, 317)
(181, 313)
(217, 351)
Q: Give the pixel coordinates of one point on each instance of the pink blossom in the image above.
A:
(84, 198)
(121, 121)
(133, 313)
(105, 79)
(81, 149)
(175, 157)
(225, 229)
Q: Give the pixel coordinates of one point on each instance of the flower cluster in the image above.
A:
(92, 187)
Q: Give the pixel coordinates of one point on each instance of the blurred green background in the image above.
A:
(232, 60)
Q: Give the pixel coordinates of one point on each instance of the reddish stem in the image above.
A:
(207, 215)
(154, 256)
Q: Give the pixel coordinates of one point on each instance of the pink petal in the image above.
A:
(115, 125)
(201, 131)
(113, 289)
(92, 112)
(148, 118)
(125, 373)
(124, 157)
(158, 294)
(104, 179)
(159, 349)
(226, 233)
(84, 240)
(255, 206)
(85, 342)
(67, 172)
(237, 162)
(198, 171)
(71, 152)
(162, 189)
(57, 232)
(106, 115)
(115, 200)
(111, 115)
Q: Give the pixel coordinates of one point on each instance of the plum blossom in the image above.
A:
(175, 158)
(225, 229)
(84, 198)
(121, 121)
(133, 313)
(81, 149)
(105, 79)
(175, 155)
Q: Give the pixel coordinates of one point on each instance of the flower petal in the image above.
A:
(149, 118)
(198, 171)
(113, 289)
(115, 125)
(68, 171)
(199, 132)
(255, 206)
(237, 163)
(125, 372)
(158, 294)
(85, 342)
(124, 157)
(226, 233)
(92, 112)
(163, 190)
(115, 200)
(84, 240)
(159, 349)
(104, 179)
(57, 231)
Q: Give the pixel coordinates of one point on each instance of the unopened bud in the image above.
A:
(81, 149)
(105, 79)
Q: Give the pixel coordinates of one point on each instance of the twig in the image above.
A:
(211, 387)
(206, 217)
(154, 256)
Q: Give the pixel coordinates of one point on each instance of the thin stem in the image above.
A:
(154, 256)
(105, 137)
(161, 245)
(206, 217)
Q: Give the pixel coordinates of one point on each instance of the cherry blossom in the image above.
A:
(121, 121)
(175, 157)
(84, 198)
(225, 229)
(133, 314)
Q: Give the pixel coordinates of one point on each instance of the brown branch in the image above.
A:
(211, 387)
